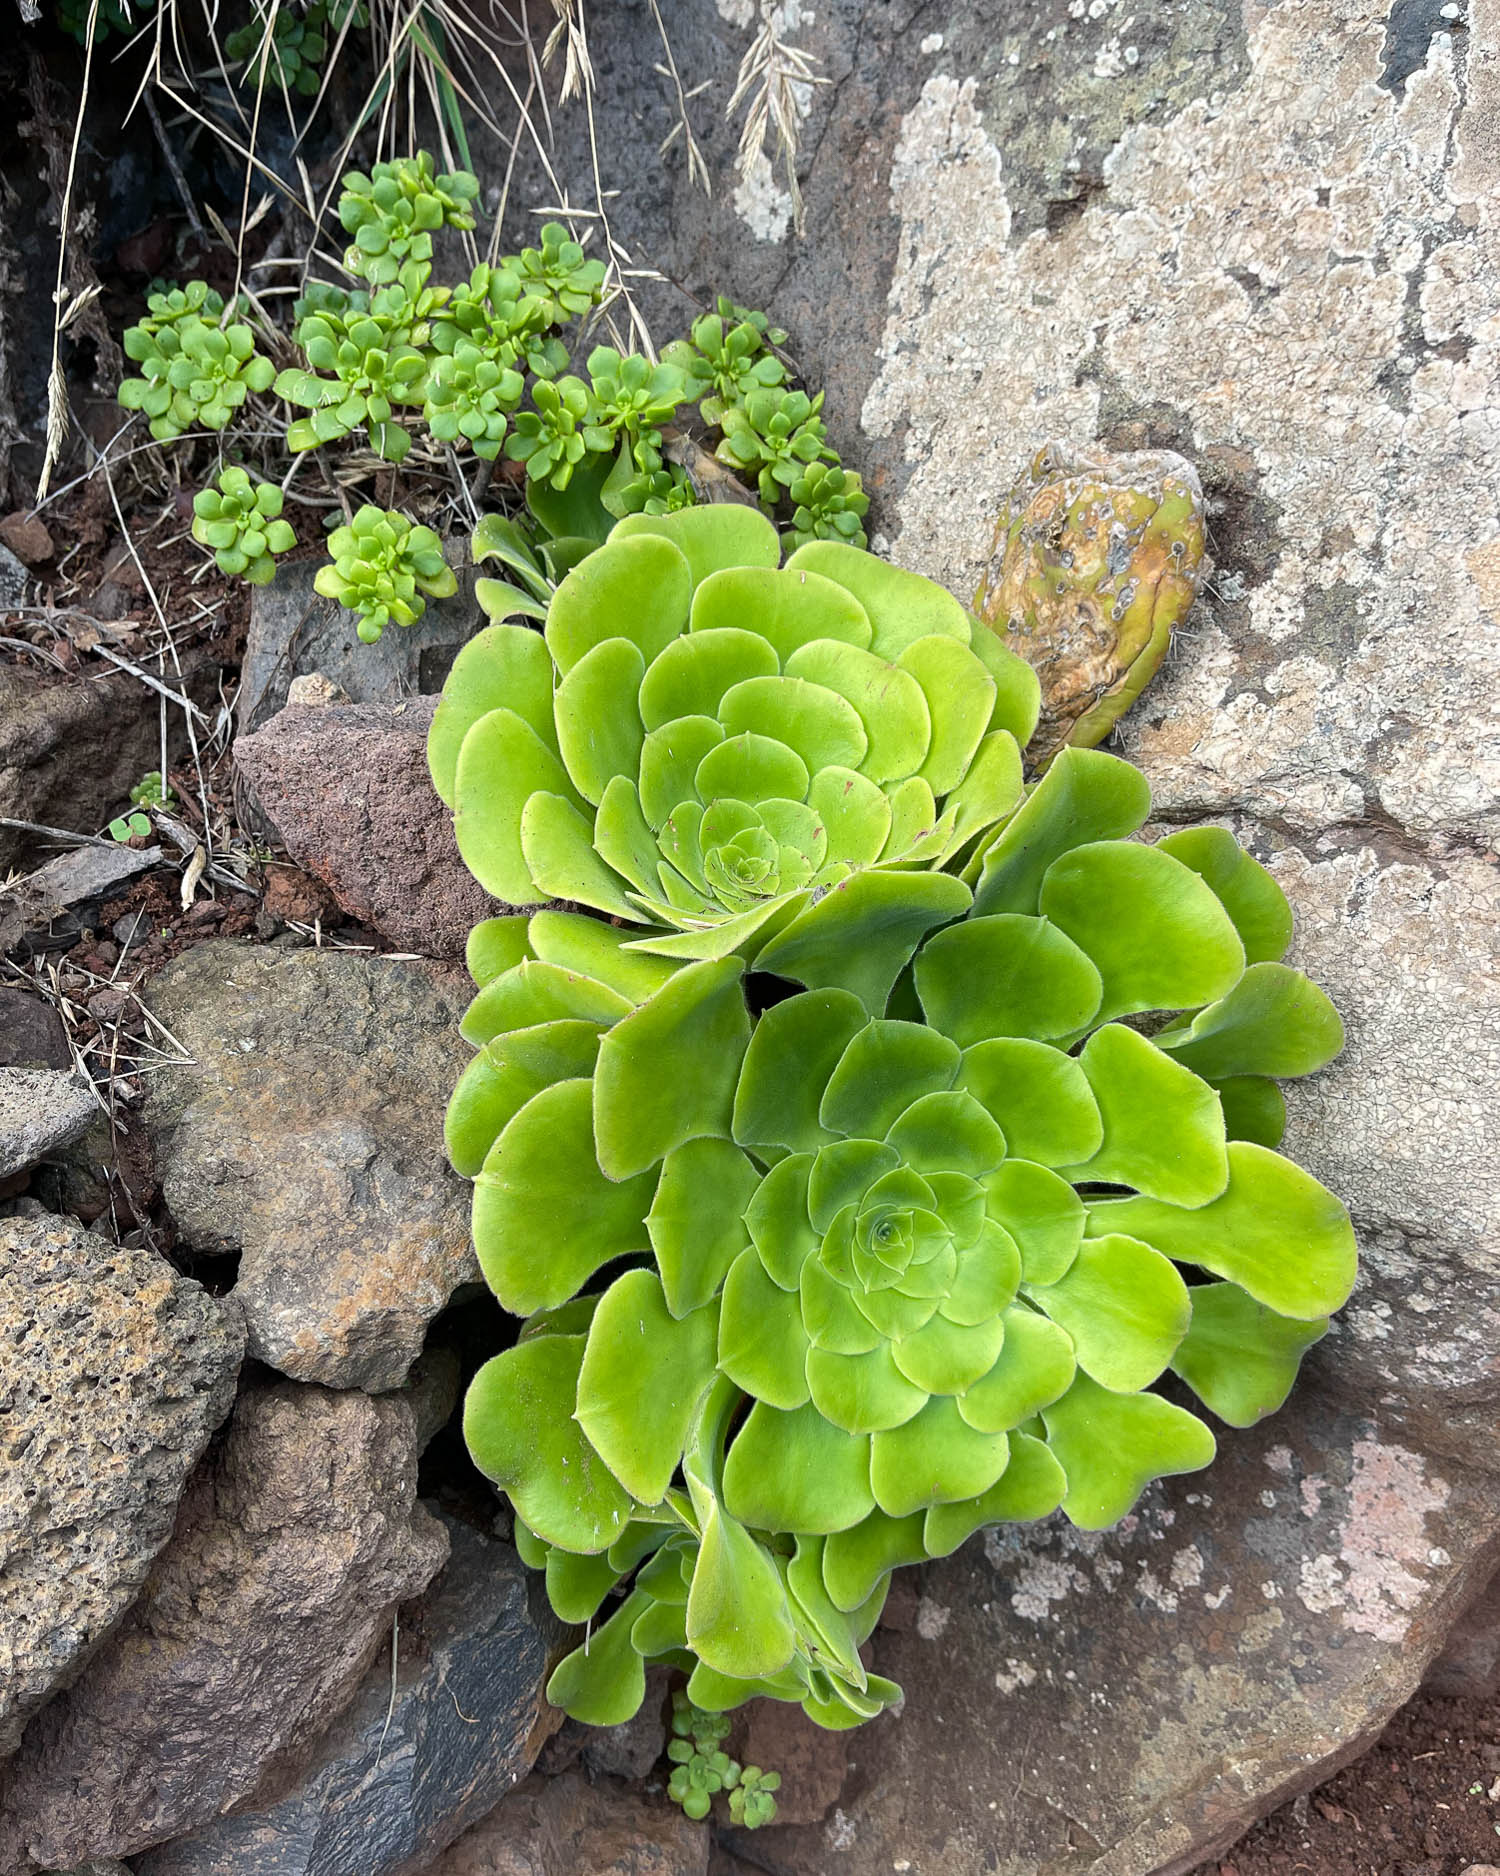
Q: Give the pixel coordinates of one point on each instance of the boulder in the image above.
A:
(306, 1135)
(41, 1110)
(114, 1371)
(552, 1825)
(347, 790)
(294, 1545)
(421, 1754)
(295, 632)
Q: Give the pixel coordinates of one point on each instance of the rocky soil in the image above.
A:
(256, 1614)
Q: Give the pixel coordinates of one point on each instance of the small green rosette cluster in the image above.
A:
(774, 761)
(241, 522)
(195, 370)
(385, 568)
(394, 212)
(818, 1281)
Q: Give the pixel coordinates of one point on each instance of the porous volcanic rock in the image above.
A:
(400, 1775)
(41, 1110)
(306, 1134)
(551, 1825)
(347, 789)
(114, 1371)
(294, 1545)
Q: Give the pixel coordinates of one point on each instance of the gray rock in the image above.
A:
(306, 1134)
(346, 787)
(31, 1032)
(114, 1371)
(550, 1826)
(70, 882)
(41, 1110)
(13, 578)
(630, 1750)
(294, 1545)
(394, 1781)
(432, 1392)
(1469, 1666)
(294, 632)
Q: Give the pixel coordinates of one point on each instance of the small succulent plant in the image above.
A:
(558, 277)
(364, 364)
(829, 505)
(394, 211)
(725, 363)
(152, 792)
(469, 399)
(553, 437)
(241, 521)
(194, 371)
(633, 398)
(751, 1800)
(772, 437)
(734, 751)
(700, 1765)
(385, 569)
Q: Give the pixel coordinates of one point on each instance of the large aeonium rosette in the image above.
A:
(706, 741)
(815, 1296)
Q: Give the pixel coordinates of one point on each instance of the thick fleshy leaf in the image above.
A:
(785, 610)
(762, 1344)
(531, 993)
(594, 949)
(1239, 1357)
(795, 1047)
(1035, 1368)
(711, 536)
(1274, 1230)
(935, 1459)
(814, 722)
(622, 835)
(1006, 976)
(644, 1373)
(1254, 1109)
(841, 1175)
(501, 765)
(1018, 689)
(1274, 1021)
(796, 1472)
(989, 1273)
(913, 817)
(1042, 1212)
(1032, 1486)
(990, 792)
(889, 702)
(577, 1585)
(778, 1223)
(832, 1318)
(854, 1562)
(719, 1693)
(638, 589)
(960, 696)
(669, 764)
(856, 815)
(520, 1430)
(737, 1616)
(691, 676)
(1159, 936)
(504, 1076)
(862, 1393)
(667, 1072)
(946, 1357)
(697, 1219)
(902, 606)
(1163, 1127)
(599, 728)
(604, 1682)
(885, 1067)
(504, 667)
(545, 1216)
(861, 934)
(839, 1710)
(948, 1132)
(1111, 1446)
(1249, 894)
(660, 1629)
(830, 1634)
(496, 945)
(1125, 1308)
(1085, 796)
(1040, 1098)
(558, 845)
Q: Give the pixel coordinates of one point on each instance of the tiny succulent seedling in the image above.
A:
(385, 569)
(751, 1803)
(772, 437)
(394, 211)
(127, 827)
(829, 505)
(558, 277)
(195, 371)
(241, 521)
(926, 1234)
(152, 792)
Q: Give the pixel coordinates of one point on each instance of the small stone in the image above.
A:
(295, 897)
(562, 1826)
(313, 691)
(32, 1034)
(306, 1133)
(114, 1371)
(293, 1548)
(13, 577)
(41, 1110)
(394, 1781)
(631, 1749)
(27, 538)
(348, 792)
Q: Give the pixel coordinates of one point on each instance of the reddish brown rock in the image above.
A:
(293, 1547)
(551, 1825)
(346, 787)
(813, 1762)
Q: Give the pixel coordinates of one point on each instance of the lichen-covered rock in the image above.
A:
(305, 1134)
(347, 789)
(553, 1825)
(294, 1545)
(41, 1110)
(114, 1371)
(403, 1773)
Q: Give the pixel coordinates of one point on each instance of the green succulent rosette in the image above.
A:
(820, 1291)
(774, 761)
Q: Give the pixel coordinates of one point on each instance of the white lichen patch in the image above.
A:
(932, 1618)
(1380, 1571)
(1014, 1674)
